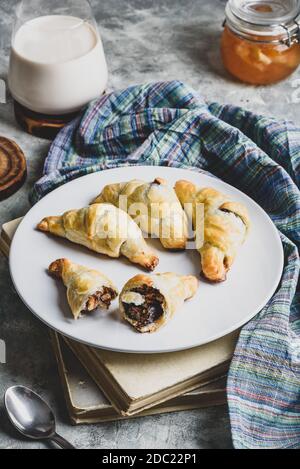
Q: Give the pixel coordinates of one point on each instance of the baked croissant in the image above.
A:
(87, 289)
(105, 229)
(154, 206)
(226, 224)
(148, 302)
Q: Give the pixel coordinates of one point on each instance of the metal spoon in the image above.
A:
(32, 416)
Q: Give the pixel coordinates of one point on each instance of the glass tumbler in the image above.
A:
(57, 63)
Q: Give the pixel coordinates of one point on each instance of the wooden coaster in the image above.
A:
(12, 168)
(41, 125)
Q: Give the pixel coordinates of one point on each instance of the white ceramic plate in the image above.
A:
(215, 311)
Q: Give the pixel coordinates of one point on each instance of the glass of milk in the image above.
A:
(57, 61)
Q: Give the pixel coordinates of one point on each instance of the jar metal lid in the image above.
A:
(267, 19)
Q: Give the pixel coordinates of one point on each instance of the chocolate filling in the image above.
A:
(150, 311)
(100, 299)
(233, 213)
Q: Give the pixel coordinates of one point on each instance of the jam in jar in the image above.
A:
(260, 42)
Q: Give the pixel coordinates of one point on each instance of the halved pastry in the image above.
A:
(226, 224)
(148, 302)
(105, 229)
(87, 289)
(154, 206)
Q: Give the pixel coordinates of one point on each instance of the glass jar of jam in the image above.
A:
(261, 39)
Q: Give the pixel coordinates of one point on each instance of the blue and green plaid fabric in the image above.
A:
(171, 125)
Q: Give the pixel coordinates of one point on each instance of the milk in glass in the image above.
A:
(57, 64)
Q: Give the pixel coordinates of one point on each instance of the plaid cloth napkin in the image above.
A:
(171, 125)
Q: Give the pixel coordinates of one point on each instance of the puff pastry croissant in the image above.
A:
(225, 227)
(154, 206)
(87, 289)
(105, 229)
(148, 302)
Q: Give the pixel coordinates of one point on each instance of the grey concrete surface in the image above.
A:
(144, 41)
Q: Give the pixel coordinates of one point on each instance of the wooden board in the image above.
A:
(41, 125)
(13, 168)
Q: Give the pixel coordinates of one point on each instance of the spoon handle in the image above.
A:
(60, 441)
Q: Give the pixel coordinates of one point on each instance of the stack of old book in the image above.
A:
(100, 385)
